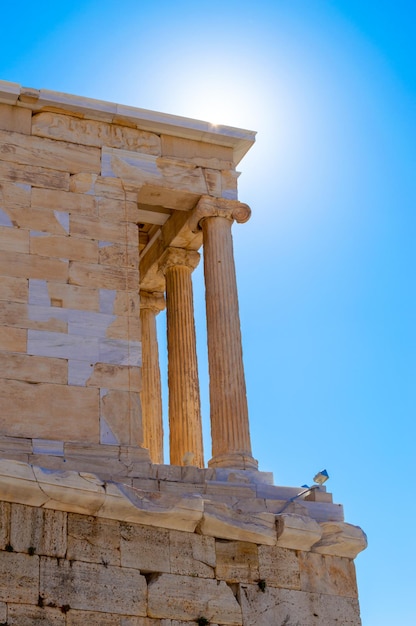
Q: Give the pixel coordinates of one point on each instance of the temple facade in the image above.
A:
(104, 210)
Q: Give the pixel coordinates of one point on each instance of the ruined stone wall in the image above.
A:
(69, 314)
(59, 568)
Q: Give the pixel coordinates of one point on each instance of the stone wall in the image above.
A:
(169, 546)
(69, 314)
(59, 568)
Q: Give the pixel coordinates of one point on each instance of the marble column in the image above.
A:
(231, 446)
(151, 395)
(185, 427)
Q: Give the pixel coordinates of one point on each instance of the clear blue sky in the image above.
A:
(326, 264)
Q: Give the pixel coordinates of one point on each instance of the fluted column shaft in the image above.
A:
(151, 395)
(185, 426)
(231, 446)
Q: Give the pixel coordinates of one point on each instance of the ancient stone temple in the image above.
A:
(103, 211)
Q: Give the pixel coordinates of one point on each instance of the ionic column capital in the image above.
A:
(208, 206)
(174, 257)
(153, 300)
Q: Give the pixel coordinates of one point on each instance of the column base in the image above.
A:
(236, 460)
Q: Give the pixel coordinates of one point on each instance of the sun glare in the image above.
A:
(216, 108)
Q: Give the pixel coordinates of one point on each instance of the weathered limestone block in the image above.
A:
(276, 493)
(187, 598)
(25, 615)
(83, 451)
(75, 203)
(15, 195)
(93, 587)
(133, 456)
(120, 411)
(319, 494)
(70, 296)
(34, 175)
(107, 468)
(197, 152)
(192, 554)
(75, 345)
(327, 574)
(98, 109)
(229, 184)
(27, 367)
(324, 511)
(58, 155)
(148, 484)
(18, 484)
(94, 133)
(99, 459)
(11, 340)
(125, 328)
(113, 209)
(142, 169)
(118, 254)
(237, 561)
(168, 472)
(38, 530)
(92, 618)
(21, 315)
(70, 491)
(279, 567)
(14, 240)
(235, 491)
(88, 324)
(110, 187)
(221, 521)
(121, 377)
(47, 446)
(63, 247)
(297, 532)
(175, 622)
(181, 488)
(191, 474)
(93, 539)
(15, 119)
(153, 509)
(83, 182)
(32, 266)
(15, 448)
(3, 611)
(53, 222)
(213, 182)
(147, 621)
(126, 302)
(19, 578)
(296, 608)
(169, 197)
(5, 508)
(101, 276)
(125, 233)
(13, 289)
(145, 548)
(28, 410)
(341, 539)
